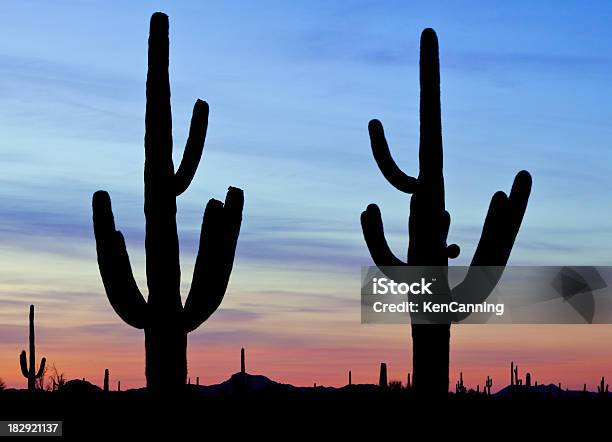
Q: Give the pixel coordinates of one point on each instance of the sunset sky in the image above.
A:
(291, 88)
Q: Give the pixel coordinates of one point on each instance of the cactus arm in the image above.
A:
(193, 148)
(502, 223)
(385, 162)
(374, 235)
(41, 369)
(218, 239)
(499, 232)
(517, 205)
(23, 362)
(114, 263)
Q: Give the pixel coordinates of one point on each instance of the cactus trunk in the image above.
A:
(430, 357)
(166, 357)
(32, 347)
(166, 322)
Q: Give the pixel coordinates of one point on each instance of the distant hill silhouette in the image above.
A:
(246, 384)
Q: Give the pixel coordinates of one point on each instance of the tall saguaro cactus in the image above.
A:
(166, 322)
(30, 372)
(429, 221)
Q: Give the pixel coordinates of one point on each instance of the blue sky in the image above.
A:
(291, 86)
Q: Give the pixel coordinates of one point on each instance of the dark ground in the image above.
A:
(295, 413)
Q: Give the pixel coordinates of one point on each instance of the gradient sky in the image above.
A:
(291, 88)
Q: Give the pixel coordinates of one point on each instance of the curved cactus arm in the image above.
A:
(41, 369)
(385, 162)
(218, 239)
(517, 205)
(502, 223)
(501, 226)
(374, 235)
(193, 148)
(23, 362)
(114, 264)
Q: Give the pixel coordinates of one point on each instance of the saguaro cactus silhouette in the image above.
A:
(382, 376)
(429, 221)
(166, 322)
(459, 386)
(106, 379)
(30, 372)
(601, 389)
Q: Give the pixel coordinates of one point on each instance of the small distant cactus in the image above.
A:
(409, 382)
(514, 375)
(459, 387)
(106, 379)
(350, 378)
(118, 385)
(395, 385)
(528, 379)
(488, 385)
(197, 380)
(382, 378)
(30, 372)
(600, 388)
(242, 362)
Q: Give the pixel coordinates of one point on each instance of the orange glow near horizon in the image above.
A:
(309, 333)
(552, 354)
